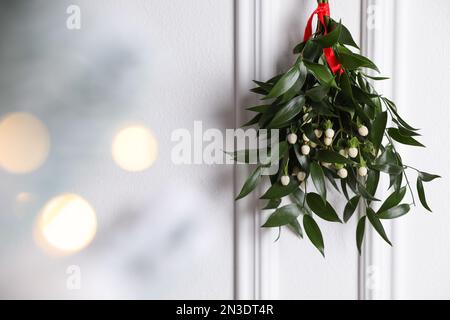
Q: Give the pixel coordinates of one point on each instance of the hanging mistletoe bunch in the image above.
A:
(333, 127)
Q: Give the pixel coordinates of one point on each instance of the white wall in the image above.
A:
(421, 265)
(175, 231)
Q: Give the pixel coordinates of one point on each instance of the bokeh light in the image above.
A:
(24, 197)
(134, 148)
(66, 224)
(24, 143)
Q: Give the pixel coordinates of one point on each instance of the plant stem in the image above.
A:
(404, 173)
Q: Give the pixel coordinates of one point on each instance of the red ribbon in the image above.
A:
(324, 10)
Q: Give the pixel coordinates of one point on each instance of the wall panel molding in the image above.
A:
(255, 254)
(378, 43)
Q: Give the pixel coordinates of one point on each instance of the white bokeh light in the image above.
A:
(24, 143)
(134, 148)
(66, 224)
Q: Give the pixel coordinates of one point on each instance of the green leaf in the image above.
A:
(300, 198)
(268, 115)
(294, 225)
(388, 168)
(263, 85)
(278, 191)
(394, 212)
(353, 61)
(352, 180)
(259, 90)
(312, 51)
(375, 78)
(395, 134)
(372, 182)
(324, 211)
(346, 87)
(421, 192)
(365, 98)
(360, 229)
(405, 132)
(313, 232)
(428, 177)
(350, 208)
(346, 37)
(272, 204)
(253, 121)
(387, 157)
(394, 199)
(260, 109)
(330, 176)
(330, 39)
(321, 73)
(283, 216)
(318, 180)
(318, 93)
(344, 189)
(285, 83)
(287, 113)
(391, 105)
(365, 194)
(332, 157)
(299, 48)
(378, 128)
(376, 223)
(251, 183)
(303, 160)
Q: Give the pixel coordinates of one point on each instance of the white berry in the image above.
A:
(328, 141)
(353, 152)
(342, 173)
(292, 138)
(285, 180)
(305, 138)
(363, 131)
(318, 133)
(329, 133)
(301, 176)
(343, 152)
(306, 150)
(362, 171)
(313, 145)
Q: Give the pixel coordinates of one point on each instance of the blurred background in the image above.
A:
(87, 182)
(91, 204)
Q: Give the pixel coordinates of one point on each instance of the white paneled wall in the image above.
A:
(175, 231)
(421, 265)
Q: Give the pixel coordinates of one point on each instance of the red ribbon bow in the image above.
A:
(324, 10)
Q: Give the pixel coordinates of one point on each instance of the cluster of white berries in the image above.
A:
(329, 135)
(301, 176)
(328, 138)
(306, 148)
